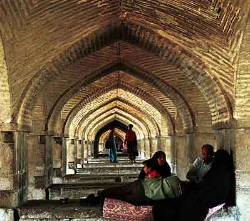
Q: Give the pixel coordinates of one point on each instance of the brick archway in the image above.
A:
(190, 65)
(186, 114)
(148, 121)
(143, 96)
(140, 125)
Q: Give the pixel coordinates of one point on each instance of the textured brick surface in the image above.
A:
(171, 67)
(4, 88)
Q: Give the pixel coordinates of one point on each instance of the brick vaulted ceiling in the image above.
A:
(179, 56)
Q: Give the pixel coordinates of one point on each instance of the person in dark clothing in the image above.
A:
(112, 148)
(217, 187)
(162, 165)
(131, 142)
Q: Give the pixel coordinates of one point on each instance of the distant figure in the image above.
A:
(119, 144)
(112, 149)
(201, 165)
(131, 142)
(162, 165)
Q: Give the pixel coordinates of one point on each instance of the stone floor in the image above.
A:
(54, 210)
(94, 176)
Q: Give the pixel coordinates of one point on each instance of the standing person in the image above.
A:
(131, 142)
(162, 165)
(201, 165)
(112, 149)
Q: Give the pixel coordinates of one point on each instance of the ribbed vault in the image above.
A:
(187, 66)
(148, 127)
(141, 128)
(147, 112)
(168, 96)
(115, 95)
(178, 70)
(127, 108)
(114, 89)
(137, 36)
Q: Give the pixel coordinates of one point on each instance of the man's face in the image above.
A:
(207, 155)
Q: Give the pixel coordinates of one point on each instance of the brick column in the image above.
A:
(57, 152)
(48, 159)
(21, 165)
(242, 165)
(190, 149)
(8, 171)
(224, 139)
(79, 152)
(36, 167)
(75, 150)
(57, 159)
(154, 145)
(164, 144)
(85, 149)
(181, 155)
(172, 154)
(142, 148)
(64, 156)
(160, 143)
(70, 155)
(89, 148)
(147, 148)
(139, 147)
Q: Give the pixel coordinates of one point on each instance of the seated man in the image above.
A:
(201, 165)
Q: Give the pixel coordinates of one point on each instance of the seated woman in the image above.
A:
(162, 165)
(142, 192)
(217, 187)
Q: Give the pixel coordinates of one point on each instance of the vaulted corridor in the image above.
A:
(178, 70)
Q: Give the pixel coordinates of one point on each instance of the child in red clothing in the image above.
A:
(150, 169)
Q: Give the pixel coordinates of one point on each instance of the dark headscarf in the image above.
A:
(158, 154)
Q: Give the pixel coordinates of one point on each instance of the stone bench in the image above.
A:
(47, 210)
(108, 170)
(42, 210)
(92, 178)
(78, 190)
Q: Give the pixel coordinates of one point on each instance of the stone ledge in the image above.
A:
(243, 179)
(6, 214)
(54, 210)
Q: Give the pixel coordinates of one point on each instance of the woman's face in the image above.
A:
(161, 160)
